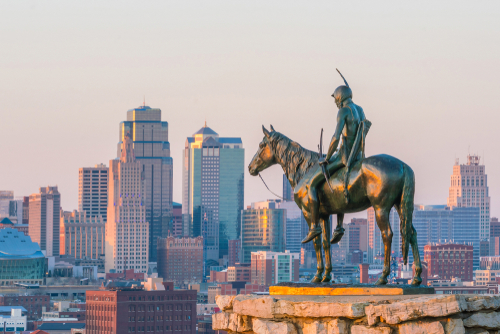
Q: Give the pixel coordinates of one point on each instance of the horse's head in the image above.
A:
(264, 156)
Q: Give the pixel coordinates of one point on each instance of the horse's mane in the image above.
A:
(295, 160)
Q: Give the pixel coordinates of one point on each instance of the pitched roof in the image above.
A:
(205, 131)
(39, 331)
(6, 221)
(4, 309)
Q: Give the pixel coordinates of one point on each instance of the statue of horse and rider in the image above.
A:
(344, 181)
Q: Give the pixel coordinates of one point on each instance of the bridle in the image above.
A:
(272, 192)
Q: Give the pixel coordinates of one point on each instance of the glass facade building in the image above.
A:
(262, 229)
(21, 260)
(213, 190)
(152, 148)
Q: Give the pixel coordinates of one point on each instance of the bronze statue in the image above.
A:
(380, 181)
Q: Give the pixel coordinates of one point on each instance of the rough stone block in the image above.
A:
(254, 306)
(411, 309)
(311, 309)
(477, 303)
(272, 327)
(359, 329)
(454, 326)
(314, 327)
(231, 321)
(478, 331)
(220, 321)
(485, 320)
(420, 327)
(338, 326)
(224, 302)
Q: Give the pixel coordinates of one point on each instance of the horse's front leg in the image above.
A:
(319, 258)
(382, 217)
(325, 225)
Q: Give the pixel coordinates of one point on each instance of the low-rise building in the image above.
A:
(456, 286)
(486, 276)
(268, 268)
(239, 272)
(15, 322)
(448, 261)
(132, 309)
(33, 304)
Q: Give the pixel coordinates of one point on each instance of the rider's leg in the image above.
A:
(338, 233)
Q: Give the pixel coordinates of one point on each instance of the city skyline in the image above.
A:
(247, 76)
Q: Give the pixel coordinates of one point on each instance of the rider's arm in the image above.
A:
(336, 136)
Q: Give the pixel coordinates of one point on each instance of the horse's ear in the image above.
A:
(268, 135)
(272, 129)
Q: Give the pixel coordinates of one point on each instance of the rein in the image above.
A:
(270, 189)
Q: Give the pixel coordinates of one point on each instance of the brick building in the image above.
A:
(449, 261)
(33, 304)
(239, 272)
(177, 227)
(180, 260)
(132, 310)
(128, 275)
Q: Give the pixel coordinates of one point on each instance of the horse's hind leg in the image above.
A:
(416, 259)
(382, 217)
(325, 225)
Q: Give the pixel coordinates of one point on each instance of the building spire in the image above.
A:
(205, 122)
(144, 101)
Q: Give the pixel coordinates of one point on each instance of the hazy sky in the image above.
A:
(426, 73)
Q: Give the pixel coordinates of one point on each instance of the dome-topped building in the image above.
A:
(21, 260)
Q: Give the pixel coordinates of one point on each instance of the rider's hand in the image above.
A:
(323, 161)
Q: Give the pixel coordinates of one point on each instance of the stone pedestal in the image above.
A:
(329, 289)
(403, 314)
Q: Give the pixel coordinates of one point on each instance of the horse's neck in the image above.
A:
(291, 172)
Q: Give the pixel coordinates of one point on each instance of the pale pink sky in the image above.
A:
(426, 73)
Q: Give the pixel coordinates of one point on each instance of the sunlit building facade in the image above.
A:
(44, 219)
(149, 136)
(127, 230)
(93, 191)
(82, 236)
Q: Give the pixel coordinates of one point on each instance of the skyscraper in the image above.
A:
(287, 189)
(127, 230)
(44, 219)
(212, 190)
(296, 226)
(262, 229)
(149, 136)
(93, 191)
(82, 236)
(469, 188)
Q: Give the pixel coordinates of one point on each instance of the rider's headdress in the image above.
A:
(342, 92)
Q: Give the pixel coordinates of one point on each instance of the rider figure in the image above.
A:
(349, 119)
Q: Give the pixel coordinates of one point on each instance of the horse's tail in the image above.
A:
(406, 211)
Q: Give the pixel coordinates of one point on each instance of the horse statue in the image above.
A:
(380, 181)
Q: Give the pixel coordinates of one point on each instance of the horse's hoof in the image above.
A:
(381, 281)
(316, 279)
(327, 278)
(416, 281)
(337, 235)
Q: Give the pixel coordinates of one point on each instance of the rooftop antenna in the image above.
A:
(144, 101)
(205, 122)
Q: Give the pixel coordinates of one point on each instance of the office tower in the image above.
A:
(234, 252)
(156, 307)
(358, 234)
(270, 268)
(180, 260)
(494, 237)
(176, 228)
(26, 210)
(449, 261)
(212, 190)
(44, 219)
(5, 197)
(296, 226)
(469, 188)
(149, 136)
(127, 230)
(287, 189)
(262, 228)
(93, 191)
(82, 236)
